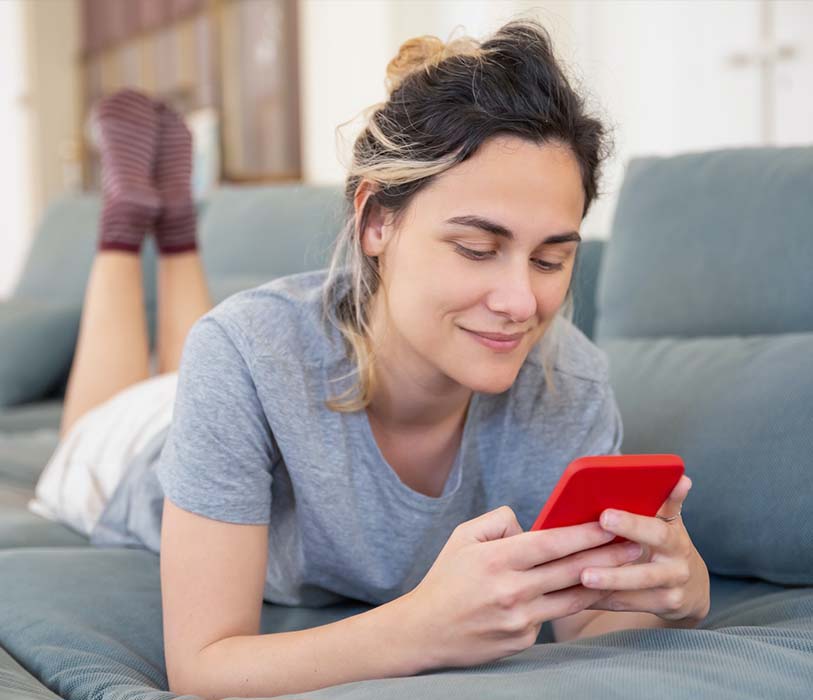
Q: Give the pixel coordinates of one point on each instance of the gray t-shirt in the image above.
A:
(251, 441)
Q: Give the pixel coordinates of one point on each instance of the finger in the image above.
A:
(674, 502)
(566, 602)
(564, 573)
(528, 549)
(635, 577)
(494, 525)
(644, 529)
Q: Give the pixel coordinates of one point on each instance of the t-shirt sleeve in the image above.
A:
(218, 456)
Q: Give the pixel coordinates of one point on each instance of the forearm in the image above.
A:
(372, 644)
(612, 621)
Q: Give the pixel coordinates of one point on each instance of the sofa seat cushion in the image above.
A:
(87, 623)
(19, 527)
(33, 415)
(24, 454)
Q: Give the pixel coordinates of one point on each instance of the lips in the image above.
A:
(499, 336)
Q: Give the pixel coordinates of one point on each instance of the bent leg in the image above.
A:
(183, 298)
(182, 293)
(112, 351)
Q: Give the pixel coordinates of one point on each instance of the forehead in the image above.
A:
(511, 177)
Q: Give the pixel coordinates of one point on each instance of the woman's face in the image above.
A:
(447, 275)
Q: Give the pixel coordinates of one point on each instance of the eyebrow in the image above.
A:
(500, 230)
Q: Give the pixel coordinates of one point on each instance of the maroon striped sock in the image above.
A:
(176, 225)
(127, 125)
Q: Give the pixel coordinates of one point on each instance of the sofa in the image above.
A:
(702, 297)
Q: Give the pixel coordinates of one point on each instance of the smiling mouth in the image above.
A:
(497, 336)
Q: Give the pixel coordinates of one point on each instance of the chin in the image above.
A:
(489, 383)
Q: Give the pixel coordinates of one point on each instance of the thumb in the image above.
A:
(672, 505)
(494, 525)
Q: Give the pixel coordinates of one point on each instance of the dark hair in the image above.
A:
(445, 100)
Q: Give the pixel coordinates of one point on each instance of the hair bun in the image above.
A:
(425, 52)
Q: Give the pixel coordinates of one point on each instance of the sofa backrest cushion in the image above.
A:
(712, 243)
(62, 251)
(38, 346)
(705, 310)
(269, 231)
(739, 411)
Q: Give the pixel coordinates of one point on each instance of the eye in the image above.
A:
(484, 255)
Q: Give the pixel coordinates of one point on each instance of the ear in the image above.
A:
(376, 232)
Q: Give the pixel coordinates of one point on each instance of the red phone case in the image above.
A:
(634, 483)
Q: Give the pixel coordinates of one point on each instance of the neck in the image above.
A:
(410, 395)
(415, 410)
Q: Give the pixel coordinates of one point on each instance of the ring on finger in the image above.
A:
(671, 518)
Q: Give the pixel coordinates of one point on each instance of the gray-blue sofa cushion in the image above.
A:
(21, 528)
(87, 623)
(64, 246)
(265, 232)
(38, 346)
(704, 308)
(739, 412)
(712, 243)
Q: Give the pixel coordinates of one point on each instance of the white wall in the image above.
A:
(15, 173)
(39, 98)
(658, 71)
(345, 46)
(659, 74)
(54, 99)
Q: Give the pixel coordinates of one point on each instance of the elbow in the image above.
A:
(179, 684)
(186, 687)
(184, 678)
(196, 674)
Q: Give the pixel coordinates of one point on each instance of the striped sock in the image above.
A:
(176, 225)
(127, 126)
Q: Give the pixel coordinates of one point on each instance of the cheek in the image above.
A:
(552, 293)
(551, 300)
(418, 304)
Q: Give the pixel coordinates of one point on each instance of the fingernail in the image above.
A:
(609, 519)
(634, 549)
(590, 578)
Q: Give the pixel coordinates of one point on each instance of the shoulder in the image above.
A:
(281, 318)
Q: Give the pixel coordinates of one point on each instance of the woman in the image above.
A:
(386, 429)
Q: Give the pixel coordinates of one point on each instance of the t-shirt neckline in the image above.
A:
(407, 494)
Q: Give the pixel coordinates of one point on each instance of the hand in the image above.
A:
(493, 586)
(669, 579)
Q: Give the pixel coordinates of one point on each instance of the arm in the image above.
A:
(212, 578)
(365, 646)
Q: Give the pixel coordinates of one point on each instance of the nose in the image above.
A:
(513, 295)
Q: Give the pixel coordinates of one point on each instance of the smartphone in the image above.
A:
(635, 483)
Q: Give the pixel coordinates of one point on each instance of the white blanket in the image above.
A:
(89, 462)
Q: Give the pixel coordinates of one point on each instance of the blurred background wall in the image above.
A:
(264, 84)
